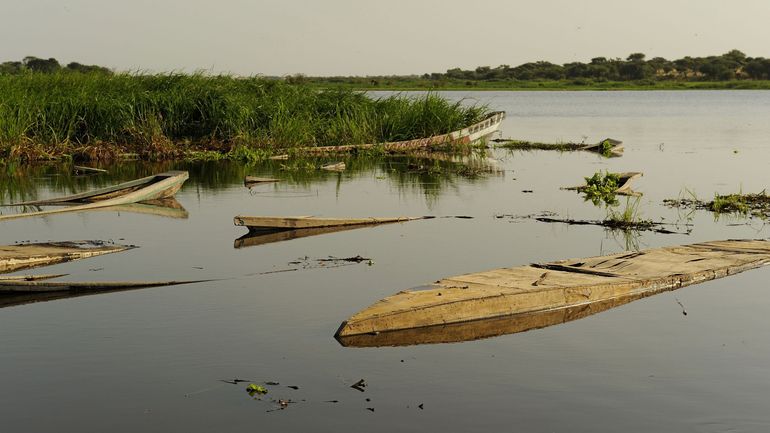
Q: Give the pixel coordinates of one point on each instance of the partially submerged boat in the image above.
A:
(262, 223)
(156, 187)
(24, 256)
(42, 285)
(464, 136)
(542, 294)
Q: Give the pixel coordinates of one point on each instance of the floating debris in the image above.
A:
(359, 386)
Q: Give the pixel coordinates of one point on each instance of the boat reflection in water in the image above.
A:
(480, 329)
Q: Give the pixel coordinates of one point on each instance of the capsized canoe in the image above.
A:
(159, 186)
(23, 256)
(464, 136)
(543, 287)
(306, 222)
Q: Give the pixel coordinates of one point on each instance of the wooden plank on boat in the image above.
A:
(23, 256)
(30, 277)
(544, 287)
(464, 136)
(305, 222)
(155, 187)
(21, 286)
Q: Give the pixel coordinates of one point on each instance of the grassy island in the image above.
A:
(96, 115)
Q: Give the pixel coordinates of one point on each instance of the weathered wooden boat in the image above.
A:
(624, 184)
(464, 136)
(257, 237)
(159, 186)
(10, 286)
(21, 294)
(307, 222)
(483, 328)
(550, 287)
(23, 256)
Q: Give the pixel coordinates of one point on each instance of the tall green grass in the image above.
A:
(164, 114)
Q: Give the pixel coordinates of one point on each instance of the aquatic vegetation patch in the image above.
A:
(737, 204)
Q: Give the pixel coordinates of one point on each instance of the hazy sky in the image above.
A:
(365, 37)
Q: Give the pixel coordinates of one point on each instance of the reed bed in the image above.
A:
(98, 116)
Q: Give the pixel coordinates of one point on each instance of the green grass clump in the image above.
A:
(99, 116)
(601, 188)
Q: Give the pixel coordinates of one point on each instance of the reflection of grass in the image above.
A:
(20, 182)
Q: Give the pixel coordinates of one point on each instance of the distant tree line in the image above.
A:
(729, 66)
(47, 66)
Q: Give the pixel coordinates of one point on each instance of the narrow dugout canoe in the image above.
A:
(21, 286)
(23, 256)
(257, 237)
(553, 287)
(159, 186)
(464, 136)
(261, 223)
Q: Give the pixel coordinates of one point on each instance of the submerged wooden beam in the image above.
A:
(23, 256)
(546, 287)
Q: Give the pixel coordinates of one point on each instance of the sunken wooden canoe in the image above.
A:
(257, 237)
(509, 292)
(464, 136)
(306, 222)
(159, 186)
(23, 256)
(22, 286)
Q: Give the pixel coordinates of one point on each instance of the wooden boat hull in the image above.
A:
(307, 222)
(556, 285)
(21, 286)
(471, 134)
(157, 187)
(24, 256)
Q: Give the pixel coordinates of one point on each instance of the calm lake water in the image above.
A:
(152, 360)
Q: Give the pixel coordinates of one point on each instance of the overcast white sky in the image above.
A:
(367, 37)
